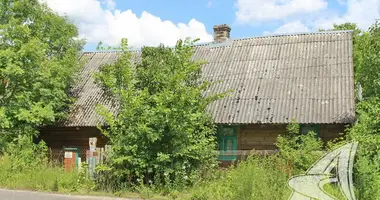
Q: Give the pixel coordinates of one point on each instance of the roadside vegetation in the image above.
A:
(25, 166)
(163, 139)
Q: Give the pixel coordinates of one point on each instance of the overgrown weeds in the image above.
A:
(255, 178)
(42, 177)
(24, 165)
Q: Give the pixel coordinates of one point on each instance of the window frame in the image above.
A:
(316, 128)
(222, 140)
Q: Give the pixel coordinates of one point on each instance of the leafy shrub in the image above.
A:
(24, 154)
(367, 133)
(298, 150)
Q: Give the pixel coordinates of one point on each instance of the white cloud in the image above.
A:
(110, 4)
(109, 25)
(291, 27)
(255, 11)
(362, 12)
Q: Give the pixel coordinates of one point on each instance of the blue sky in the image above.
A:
(151, 22)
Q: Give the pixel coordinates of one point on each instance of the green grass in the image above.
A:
(256, 178)
(333, 190)
(53, 178)
(42, 178)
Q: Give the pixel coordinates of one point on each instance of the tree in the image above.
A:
(38, 56)
(162, 133)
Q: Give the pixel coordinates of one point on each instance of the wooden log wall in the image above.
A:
(331, 131)
(259, 137)
(263, 137)
(57, 138)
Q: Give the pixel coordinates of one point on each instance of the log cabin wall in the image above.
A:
(259, 137)
(254, 136)
(331, 131)
(263, 137)
(78, 137)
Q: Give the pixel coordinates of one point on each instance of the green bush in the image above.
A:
(299, 150)
(367, 133)
(25, 155)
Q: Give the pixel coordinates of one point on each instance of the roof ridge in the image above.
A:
(227, 42)
(296, 34)
(133, 50)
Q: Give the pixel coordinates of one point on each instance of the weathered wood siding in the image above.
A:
(259, 137)
(57, 138)
(263, 137)
(331, 131)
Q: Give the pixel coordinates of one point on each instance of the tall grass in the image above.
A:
(255, 178)
(42, 178)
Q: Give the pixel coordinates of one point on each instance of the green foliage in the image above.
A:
(24, 165)
(84, 181)
(299, 150)
(38, 55)
(367, 61)
(25, 155)
(334, 190)
(55, 186)
(42, 177)
(256, 178)
(367, 133)
(366, 130)
(123, 46)
(162, 134)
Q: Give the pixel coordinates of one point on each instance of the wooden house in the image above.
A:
(307, 77)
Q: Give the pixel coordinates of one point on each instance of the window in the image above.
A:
(305, 128)
(227, 141)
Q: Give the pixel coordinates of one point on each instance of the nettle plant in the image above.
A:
(162, 134)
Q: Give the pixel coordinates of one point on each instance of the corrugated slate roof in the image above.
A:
(307, 77)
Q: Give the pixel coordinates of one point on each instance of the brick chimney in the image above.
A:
(221, 32)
